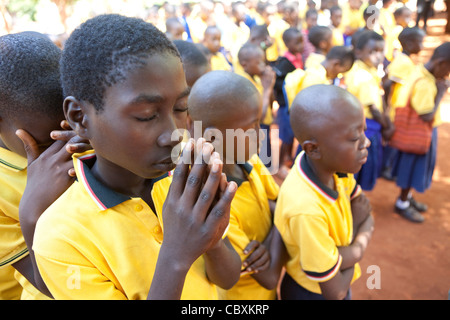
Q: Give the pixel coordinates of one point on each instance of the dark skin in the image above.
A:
(153, 100)
(265, 260)
(373, 54)
(440, 69)
(52, 168)
(336, 144)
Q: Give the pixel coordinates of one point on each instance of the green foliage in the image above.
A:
(23, 8)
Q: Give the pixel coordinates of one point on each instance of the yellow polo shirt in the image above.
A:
(364, 83)
(393, 45)
(94, 243)
(314, 221)
(314, 59)
(352, 18)
(398, 71)
(386, 20)
(13, 178)
(250, 219)
(423, 93)
(337, 38)
(256, 80)
(298, 80)
(219, 62)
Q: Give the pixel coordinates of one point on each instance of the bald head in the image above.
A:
(220, 95)
(318, 109)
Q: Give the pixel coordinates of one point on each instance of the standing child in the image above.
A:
(402, 19)
(427, 85)
(310, 21)
(336, 19)
(228, 107)
(124, 234)
(31, 100)
(364, 83)
(323, 217)
(255, 69)
(211, 41)
(398, 72)
(321, 38)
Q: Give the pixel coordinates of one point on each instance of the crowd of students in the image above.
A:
(93, 205)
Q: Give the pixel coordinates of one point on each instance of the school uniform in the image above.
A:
(220, 62)
(313, 59)
(337, 37)
(276, 29)
(365, 84)
(95, 243)
(266, 146)
(386, 20)
(314, 221)
(393, 45)
(13, 178)
(250, 219)
(411, 170)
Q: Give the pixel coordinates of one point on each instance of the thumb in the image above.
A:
(30, 145)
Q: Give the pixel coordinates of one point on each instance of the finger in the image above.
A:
(77, 147)
(252, 245)
(30, 145)
(260, 265)
(62, 135)
(209, 192)
(219, 216)
(254, 256)
(197, 175)
(181, 170)
(65, 125)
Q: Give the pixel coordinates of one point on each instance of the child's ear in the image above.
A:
(75, 114)
(311, 149)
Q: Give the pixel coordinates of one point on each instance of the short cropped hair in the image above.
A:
(190, 53)
(442, 52)
(289, 33)
(364, 37)
(343, 53)
(102, 50)
(317, 34)
(410, 34)
(29, 75)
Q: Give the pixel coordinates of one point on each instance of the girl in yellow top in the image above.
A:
(364, 83)
(427, 85)
(219, 111)
(123, 234)
(211, 41)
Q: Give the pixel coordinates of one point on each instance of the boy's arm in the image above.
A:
(223, 264)
(267, 273)
(53, 169)
(268, 81)
(193, 223)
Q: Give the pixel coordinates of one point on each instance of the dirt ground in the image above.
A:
(412, 260)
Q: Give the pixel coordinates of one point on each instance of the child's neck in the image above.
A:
(320, 51)
(123, 181)
(234, 170)
(323, 175)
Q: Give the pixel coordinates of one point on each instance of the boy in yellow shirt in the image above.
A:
(230, 119)
(255, 69)
(336, 20)
(31, 101)
(364, 82)
(321, 38)
(323, 217)
(402, 19)
(211, 41)
(123, 234)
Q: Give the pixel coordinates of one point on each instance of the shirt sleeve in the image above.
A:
(319, 256)
(12, 244)
(423, 96)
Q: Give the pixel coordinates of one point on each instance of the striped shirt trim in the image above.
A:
(103, 196)
(324, 276)
(17, 256)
